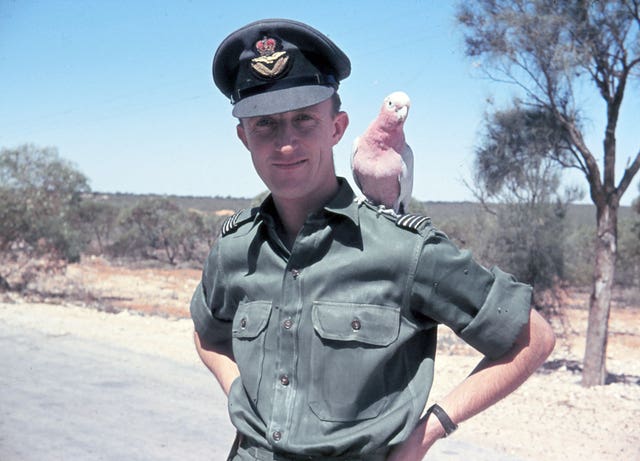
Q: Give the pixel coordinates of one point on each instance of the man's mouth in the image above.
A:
(289, 165)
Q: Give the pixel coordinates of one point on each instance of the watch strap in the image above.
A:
(448, 425)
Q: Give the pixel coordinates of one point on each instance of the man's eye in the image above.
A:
(264, 123)
(304, 120)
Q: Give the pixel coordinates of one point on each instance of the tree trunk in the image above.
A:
(594, 372)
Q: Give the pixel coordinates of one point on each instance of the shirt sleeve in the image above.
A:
(207, 303)
(487, 308)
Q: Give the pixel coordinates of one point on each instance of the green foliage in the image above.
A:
(515, 167)
(579, 254)
(531, 243)
(38, 194)
(517, 160)
(97, 219)
(628, 264)
(156, 227)
(556, 52)
(67, 220)
(48, 215)
(39, 190)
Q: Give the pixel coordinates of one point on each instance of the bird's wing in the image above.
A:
(406, 177)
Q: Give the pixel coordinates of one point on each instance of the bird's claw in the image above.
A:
(388, 211)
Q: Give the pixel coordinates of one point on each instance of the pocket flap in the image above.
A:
(365, 323)
(250, 319)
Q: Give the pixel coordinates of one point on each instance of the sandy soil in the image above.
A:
(551, 417)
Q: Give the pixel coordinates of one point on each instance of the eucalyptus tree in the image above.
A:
(517, 180)
(39, 191)
(556, 53)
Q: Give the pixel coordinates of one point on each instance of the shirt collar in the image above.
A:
(343, 203)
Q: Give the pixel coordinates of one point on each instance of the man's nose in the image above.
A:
(287, 138)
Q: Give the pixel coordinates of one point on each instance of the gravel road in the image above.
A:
(84, 385)
(70, 398)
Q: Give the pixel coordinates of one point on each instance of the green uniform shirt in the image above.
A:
(335, 339)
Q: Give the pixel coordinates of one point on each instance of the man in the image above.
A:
(316, 313)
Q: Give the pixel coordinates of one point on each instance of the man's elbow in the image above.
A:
(203, 346)
(543, 339)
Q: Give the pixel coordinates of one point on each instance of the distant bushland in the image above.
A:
(50, 218)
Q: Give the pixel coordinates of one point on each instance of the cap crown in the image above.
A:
(275, 65)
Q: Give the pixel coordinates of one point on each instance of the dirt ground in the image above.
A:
(551, 417)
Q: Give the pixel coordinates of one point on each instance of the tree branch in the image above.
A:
(628, 175)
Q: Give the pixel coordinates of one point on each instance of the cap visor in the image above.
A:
(285, 100)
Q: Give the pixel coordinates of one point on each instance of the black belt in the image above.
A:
(262, 454)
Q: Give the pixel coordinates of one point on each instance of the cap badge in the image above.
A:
(270, 63)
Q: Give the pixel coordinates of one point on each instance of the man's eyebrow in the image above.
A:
(308, 110)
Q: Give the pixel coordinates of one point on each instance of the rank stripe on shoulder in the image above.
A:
(230, 223)
(234, 221)
(412, 221)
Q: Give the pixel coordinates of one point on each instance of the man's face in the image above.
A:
(293, 151)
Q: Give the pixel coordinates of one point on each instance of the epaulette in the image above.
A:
(233, 222)
(412, 221)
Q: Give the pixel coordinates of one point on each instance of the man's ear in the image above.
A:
(340, 124)
(242, 136)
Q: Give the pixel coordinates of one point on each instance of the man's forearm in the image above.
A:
(222, 366)
(488, 383)
(494, 379)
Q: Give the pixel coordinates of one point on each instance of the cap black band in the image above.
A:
(284, 83)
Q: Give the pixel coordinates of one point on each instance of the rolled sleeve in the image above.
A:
(210, 329)
(487, 308)
(504, 313)
(213, 329)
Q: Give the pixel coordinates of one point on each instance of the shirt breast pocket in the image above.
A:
(350, 355)
(248, 332)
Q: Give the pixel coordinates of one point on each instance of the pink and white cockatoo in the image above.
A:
(381, 160)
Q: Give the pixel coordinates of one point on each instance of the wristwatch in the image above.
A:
(448, 425)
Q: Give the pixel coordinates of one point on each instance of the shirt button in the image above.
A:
(277, 435)
(355, 324)
(295, 273)
(243, 323)
(284, 380)
(287, 324)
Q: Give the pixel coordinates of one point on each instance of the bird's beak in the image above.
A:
(402, 112)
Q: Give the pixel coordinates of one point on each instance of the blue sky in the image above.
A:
(123, 89)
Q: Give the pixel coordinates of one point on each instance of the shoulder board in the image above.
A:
(233, 222)
(414, 222)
